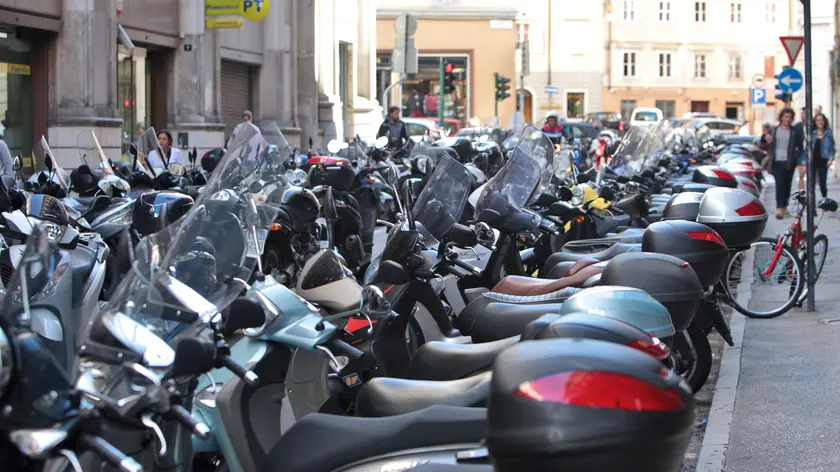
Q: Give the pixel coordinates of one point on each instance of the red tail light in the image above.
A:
(752, 208)
(606, 390)
(722, 174)
(750, 185)
(654, 348)
(710, 236)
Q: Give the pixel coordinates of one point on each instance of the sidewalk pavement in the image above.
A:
(777, 401)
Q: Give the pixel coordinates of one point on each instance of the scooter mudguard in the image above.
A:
(711, 310)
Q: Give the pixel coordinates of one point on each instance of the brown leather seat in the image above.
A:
(580, 265)
(529, 286)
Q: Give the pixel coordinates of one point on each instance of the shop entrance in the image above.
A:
(237, 79)
(142, 84)
(420, 92)
(16, 95)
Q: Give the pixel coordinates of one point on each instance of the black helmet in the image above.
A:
(154, 211)
(83, 181)
(299, 208)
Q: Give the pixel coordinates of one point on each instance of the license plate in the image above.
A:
(252, 250)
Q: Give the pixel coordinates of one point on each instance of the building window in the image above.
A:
(668, 107)
(770, 13)
(769, 66)
(627, 107)
(664, 64)
(664, 11)
(700, 12)
(629, 64)
(735, 12)
(628, 10)
(575, 104)
(735, 67)
(699, 66)
(420, 94)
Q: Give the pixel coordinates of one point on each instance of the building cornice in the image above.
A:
(450, 13)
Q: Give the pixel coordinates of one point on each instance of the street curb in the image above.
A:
(712, 456)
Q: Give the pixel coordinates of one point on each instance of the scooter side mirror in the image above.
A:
(490, 217)
(48, 162)
(664, 162)
(583, 178)
(564, 210)
(374, 303)
(193, 356)
(243, 313)
(16, 165)
(545, 199)
(566, 194)
(392, 273)
(461, 236)
(606, 193)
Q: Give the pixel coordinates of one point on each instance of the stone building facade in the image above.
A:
(64, 67)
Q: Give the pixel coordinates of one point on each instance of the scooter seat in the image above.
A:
(488, 319)
(575, 252)
(438, 360)
(386, 396)
(568, 268)
(530, 286)
(342, 440)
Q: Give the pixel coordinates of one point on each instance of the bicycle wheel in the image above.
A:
(781, 288)
(820, 254)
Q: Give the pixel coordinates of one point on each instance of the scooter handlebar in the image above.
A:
(184, 417)
(240, 371)
(110, 453)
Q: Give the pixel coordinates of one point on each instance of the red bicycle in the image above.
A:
(797, 238)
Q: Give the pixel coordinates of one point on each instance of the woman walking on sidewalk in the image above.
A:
(822, 142)
(786, 145)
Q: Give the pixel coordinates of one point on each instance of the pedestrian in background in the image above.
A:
(415, 104)
(7, 167)
(823, 145)
(785, 148)
(802, 166)
(247, 119)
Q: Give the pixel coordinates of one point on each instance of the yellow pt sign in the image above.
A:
(253, 10)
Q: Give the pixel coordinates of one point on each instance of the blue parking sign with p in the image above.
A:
(758, 96)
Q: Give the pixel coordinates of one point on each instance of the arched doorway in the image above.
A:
(528, 99)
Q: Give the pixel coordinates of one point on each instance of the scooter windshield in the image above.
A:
(91, 153)
(44, 156)
(199, 264)
(518, 180)
(441, 203)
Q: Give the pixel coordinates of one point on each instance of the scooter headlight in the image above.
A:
(578, 194)
(423, 164)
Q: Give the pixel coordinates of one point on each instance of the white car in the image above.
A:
(418, 127)
(646, 117)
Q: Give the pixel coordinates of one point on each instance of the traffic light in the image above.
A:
(502, 87)
(448, 77)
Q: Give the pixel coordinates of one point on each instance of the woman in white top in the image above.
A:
(173, 154)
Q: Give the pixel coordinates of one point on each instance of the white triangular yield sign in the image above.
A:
(793, 45)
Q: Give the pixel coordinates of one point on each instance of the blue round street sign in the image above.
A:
(790, 80)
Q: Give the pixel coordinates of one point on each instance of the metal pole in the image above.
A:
(521, 97)
(440, 93)
(811, 305)
(386, 98)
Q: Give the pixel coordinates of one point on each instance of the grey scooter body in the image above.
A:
(60, 312)
(247, 421)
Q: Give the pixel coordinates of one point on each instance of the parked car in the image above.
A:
(580, 130)
(646, 117)
(717, 127)
(704, 115)
(419, 127)
(605, 120)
